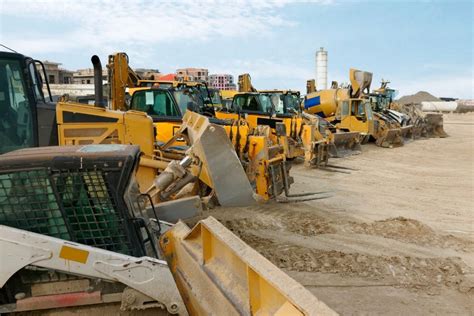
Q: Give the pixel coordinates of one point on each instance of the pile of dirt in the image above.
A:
(410, 230)
(409, 272)
(417, 98)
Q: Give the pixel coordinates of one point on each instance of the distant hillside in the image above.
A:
(417, 98)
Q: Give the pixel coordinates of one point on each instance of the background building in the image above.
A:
(195, 74)
(55, 73)
(86, 76)
(222, 81)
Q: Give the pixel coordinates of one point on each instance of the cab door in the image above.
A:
(45, 111)
(372, 128)
(17, 128)
(345, 116)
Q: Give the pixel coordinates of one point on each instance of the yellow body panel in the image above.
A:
(109, 127)
(328, 101)
(228, 94)
(166, 130)
(227, 116)
(217, 273)
(353, 124)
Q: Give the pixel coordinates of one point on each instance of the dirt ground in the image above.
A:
(395, 237)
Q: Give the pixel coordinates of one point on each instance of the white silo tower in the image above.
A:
(321, 69)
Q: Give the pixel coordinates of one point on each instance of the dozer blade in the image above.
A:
(344, 144)
(211, 144)
(390, 138)
(407, 133)
(434, 125)
(218, 274)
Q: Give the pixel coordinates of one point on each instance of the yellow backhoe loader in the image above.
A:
(350, 110)
(78, 237)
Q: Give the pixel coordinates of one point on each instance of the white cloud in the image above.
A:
(105, 26)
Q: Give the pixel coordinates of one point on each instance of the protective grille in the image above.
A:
(75, 205)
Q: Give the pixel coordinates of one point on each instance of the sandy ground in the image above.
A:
(396, 236)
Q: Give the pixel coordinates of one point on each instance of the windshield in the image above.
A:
(214, 93)
(368, 110)
(278, 102)
(16, 124)
(253, 102)
(188, 98)
(291, 101)
(284, 102)
(154, 103)
(266, 102)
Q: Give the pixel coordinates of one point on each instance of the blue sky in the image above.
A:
(417, 45)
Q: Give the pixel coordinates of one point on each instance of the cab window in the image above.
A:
(188, 98)
(154, 103)
(368, 110)
(16, 124)
(345, 108)
(265, 103)
(35, 79)
(239, 102)
(277, 99)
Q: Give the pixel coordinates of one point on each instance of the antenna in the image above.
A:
(9, 48)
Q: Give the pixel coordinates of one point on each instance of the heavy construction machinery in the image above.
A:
(313, 130)
(78, 237)
(380, 100)
(349, 109)
(264, 163)
(167, 102)
(286, 130)
(422, 124)
(258, 110)
(301, 135)
(31, 121)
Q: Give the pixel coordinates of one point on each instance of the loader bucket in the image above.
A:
(219, 159)
(434, 125)
(390, 138)
(344, 144)
(218, 274)
(407, 133)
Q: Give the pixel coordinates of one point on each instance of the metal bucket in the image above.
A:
(390, 138)
(345, 144)
(434, 125)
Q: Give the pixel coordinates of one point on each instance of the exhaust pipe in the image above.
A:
(98, 89)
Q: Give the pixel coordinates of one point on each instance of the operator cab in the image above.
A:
(158, 103)
(286, 102)
(252, 103)
(211, 96)
(358, 108)
(171, 103)
(26, 119)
